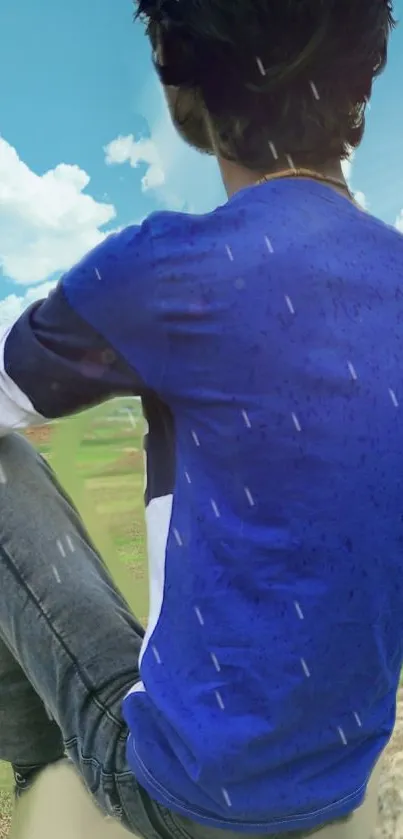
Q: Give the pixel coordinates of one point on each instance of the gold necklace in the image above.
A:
(308, 173)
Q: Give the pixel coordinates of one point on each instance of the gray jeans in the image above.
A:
(69, 648)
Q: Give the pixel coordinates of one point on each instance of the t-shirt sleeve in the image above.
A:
(96, 336)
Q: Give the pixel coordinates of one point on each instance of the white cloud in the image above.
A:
(360, 196)
(399, 222)
(128, 150)
(347, 167)
(14, 305)
(47, 222)
(182, 178)
(361, 199)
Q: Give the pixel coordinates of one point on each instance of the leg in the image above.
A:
(29, 739)
(69, 629)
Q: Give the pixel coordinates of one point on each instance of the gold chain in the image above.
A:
(307, 173)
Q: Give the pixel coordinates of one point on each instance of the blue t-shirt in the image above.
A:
(266, 342)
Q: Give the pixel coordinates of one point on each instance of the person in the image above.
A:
(265, 341)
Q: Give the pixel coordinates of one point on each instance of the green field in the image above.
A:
(99, 460)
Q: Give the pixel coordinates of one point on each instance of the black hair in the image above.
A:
(277, 77)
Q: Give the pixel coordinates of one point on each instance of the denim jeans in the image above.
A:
(69, 649)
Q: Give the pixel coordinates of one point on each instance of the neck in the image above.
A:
(236, 177)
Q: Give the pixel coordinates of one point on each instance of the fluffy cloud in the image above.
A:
(347, 166)
(360, 197)
(399, 222)
(14, 305)
(182, 178)
(128, 150)
(47, 222)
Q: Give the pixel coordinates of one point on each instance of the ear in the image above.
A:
(189, 116)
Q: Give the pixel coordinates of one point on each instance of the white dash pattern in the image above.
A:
(220, 701)
(56, 574)
(178, 537)
(249, 497)
(296, 421)
(215, 508)
(273, 150)
(215, 662)
(290, 304)
(156, 654)
(226, 797)
(393, 398)
(314, 90)
(132, 418)
(199, 616)
(352, 371)
(246, 419)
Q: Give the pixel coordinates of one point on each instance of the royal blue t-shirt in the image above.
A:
(266, 342)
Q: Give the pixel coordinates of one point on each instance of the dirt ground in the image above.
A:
(39, 436)
(391, 788)
(6, 809)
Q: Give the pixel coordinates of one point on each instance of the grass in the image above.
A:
(6, 811)
(98, 459)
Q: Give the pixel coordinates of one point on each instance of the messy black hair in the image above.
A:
(277, 77)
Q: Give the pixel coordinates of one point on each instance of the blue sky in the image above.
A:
(86, 145)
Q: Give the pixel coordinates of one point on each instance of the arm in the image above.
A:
(78, 347)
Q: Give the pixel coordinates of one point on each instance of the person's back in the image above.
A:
(284, 563)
